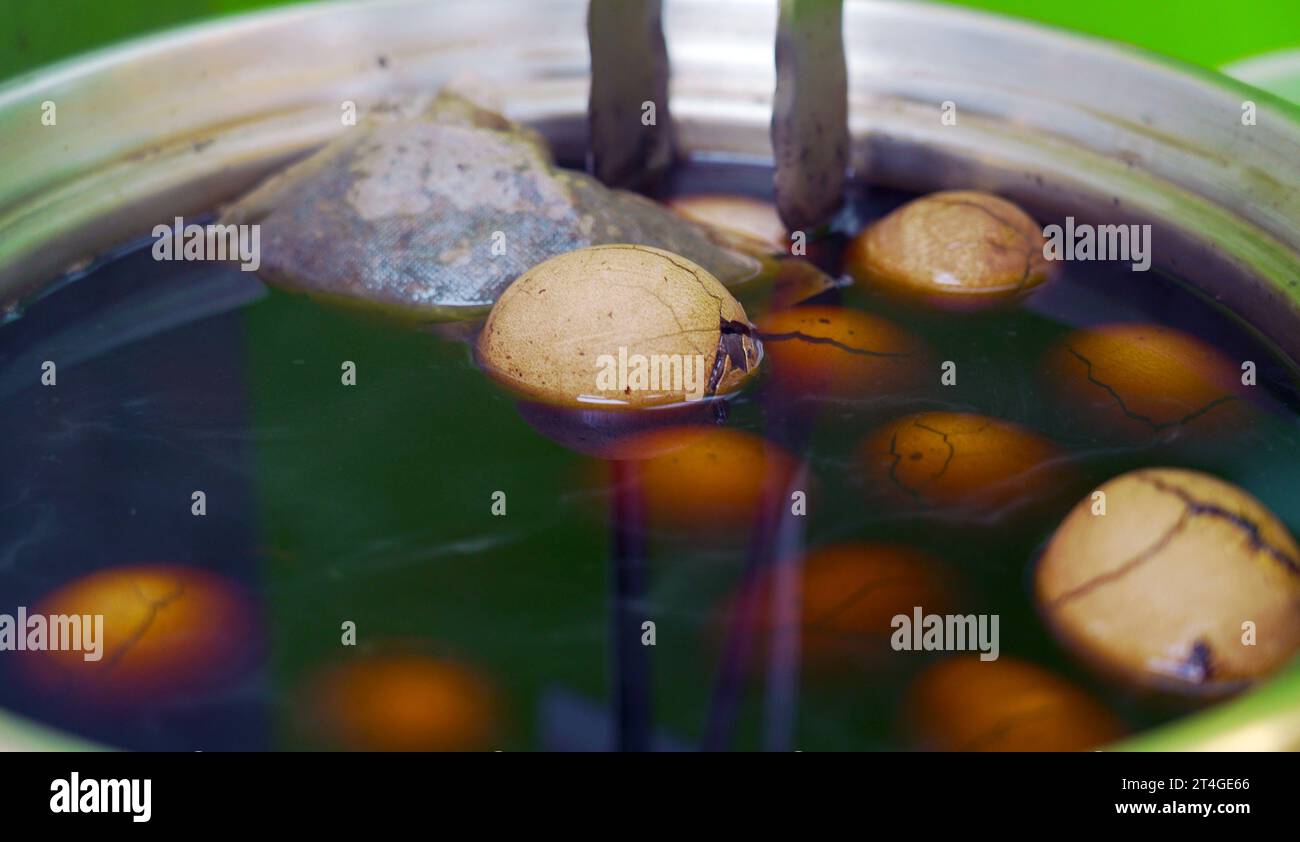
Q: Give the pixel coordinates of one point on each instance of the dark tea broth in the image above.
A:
(417, 512)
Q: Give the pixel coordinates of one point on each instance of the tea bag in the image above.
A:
(433, 211)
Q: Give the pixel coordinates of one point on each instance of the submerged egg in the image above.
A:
(707, 478)
(846, 597)
(749, 223)
(965, 704)
(1176, 580)
(1140, 380)
(168, 631)
(958, 460)
(961, 249)
(618, 325)
(404, 702)
(840, 353)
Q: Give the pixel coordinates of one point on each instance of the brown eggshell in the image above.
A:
(965, 704)
(1136, 381)
(403, 702)
(840, 353)
(1156, 590)
(959, 461)
(557, 332)
(707, 479)
(169, 631)
(957, 249)
(848, 595)
(745, 222)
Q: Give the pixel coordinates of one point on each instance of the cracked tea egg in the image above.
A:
(957, 249)
(846, 598)
(840, 353)
(959, 460)
(403, 702)
(707, 479)
(1173, 580)
(965, 704)
(1136, 381)
(618, 325)
(751, 224)
(168, 631)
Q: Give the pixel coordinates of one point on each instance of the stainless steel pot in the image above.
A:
(176, 124)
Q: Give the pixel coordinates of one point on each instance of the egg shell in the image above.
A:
(748, 223)
(848, 595)
(557, 330)
(1135, 381)
(169, 631)
(959, 461)
(708, 479)
(837, 352)
(404, 702)
(958, 249)
(965, 704)
(1156, 591)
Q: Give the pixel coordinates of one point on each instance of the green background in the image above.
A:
(1207, 32)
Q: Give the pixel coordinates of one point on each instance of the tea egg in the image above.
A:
(404, 702)
(840, 353)
(958, 460)
(965, 704)
(618, 325)
(848, 595)
(707, 478)
(957, 249)
(1175, 580)
(1135, 381)
(168, 631)
(750, 223)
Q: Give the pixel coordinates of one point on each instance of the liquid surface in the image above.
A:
(372, 504)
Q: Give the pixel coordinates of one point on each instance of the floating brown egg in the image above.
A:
(618, 325)
(707, 479)
(965, 704)
(848, 595)
(168, 631)
(957, 249)
(1185, 583)
(959, 460)
(1140, 380)
(404, 702)
(746, 222)
(840, 353)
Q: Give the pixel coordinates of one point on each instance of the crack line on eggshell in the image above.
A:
(1029, 244)
(1133, 563)
(821, 624)
(893, 468)
(1253, 533)
(835, 343)
(1156, 426)
(136, 635)
(952, 453)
